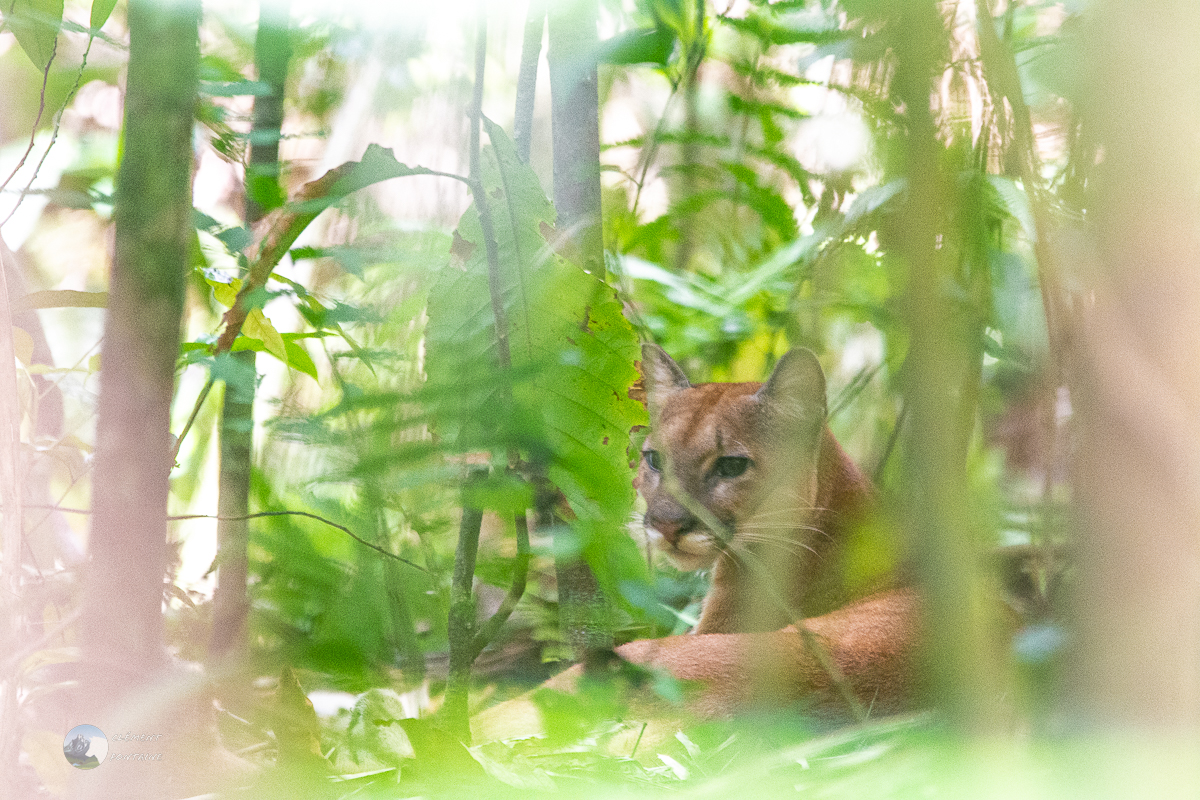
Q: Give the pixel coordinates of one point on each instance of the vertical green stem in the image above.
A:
(939, 353)
(462, 615)
(404, 637)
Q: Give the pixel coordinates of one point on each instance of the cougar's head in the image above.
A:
(728, 464)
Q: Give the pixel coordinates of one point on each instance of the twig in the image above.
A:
(466, 640)
(812, 642)
(191, 419)
(256, 515)
(650, 153)
(637, 743)
(37, 120)
(57, 125)
(290, 221)
(312, 516)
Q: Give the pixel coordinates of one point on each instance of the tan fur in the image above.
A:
(871, 641)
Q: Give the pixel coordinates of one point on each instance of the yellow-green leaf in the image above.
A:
(225, 292)
(61, 298)
(258, 326)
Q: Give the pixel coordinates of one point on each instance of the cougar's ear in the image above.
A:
(662, 377)
(795, 392)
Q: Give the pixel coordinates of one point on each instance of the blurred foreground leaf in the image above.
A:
(35, 25)
(572, 352)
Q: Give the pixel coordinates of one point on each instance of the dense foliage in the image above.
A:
(759, 194)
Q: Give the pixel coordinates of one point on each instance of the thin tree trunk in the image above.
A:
(688, 151)
(124, 587)
(531, 51)
(122, 623)
(575, 116)
(272, 50)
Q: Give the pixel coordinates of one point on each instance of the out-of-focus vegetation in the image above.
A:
(771, 178)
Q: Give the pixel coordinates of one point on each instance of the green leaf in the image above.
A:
(235, 239)
(793, 28)
(639, 46)
(259, 327)
(299, 359)
(35, 24)
(377, 164)
(243, 343)
(61, 298)
(569, 717)
(572, 353)
(872, 199)
(101, 11)
(765, 200)
(264, 189)
(689, 290)
(351, 259)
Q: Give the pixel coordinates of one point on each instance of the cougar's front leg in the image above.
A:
(872, 641)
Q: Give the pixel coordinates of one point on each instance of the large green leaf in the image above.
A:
(572, 350)
(35, 25)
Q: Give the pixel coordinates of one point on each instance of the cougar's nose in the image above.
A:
(672, 523)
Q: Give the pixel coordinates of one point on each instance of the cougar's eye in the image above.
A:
(731, 466)
(653, 459)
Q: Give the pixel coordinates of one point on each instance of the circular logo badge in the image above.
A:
(85, 746)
